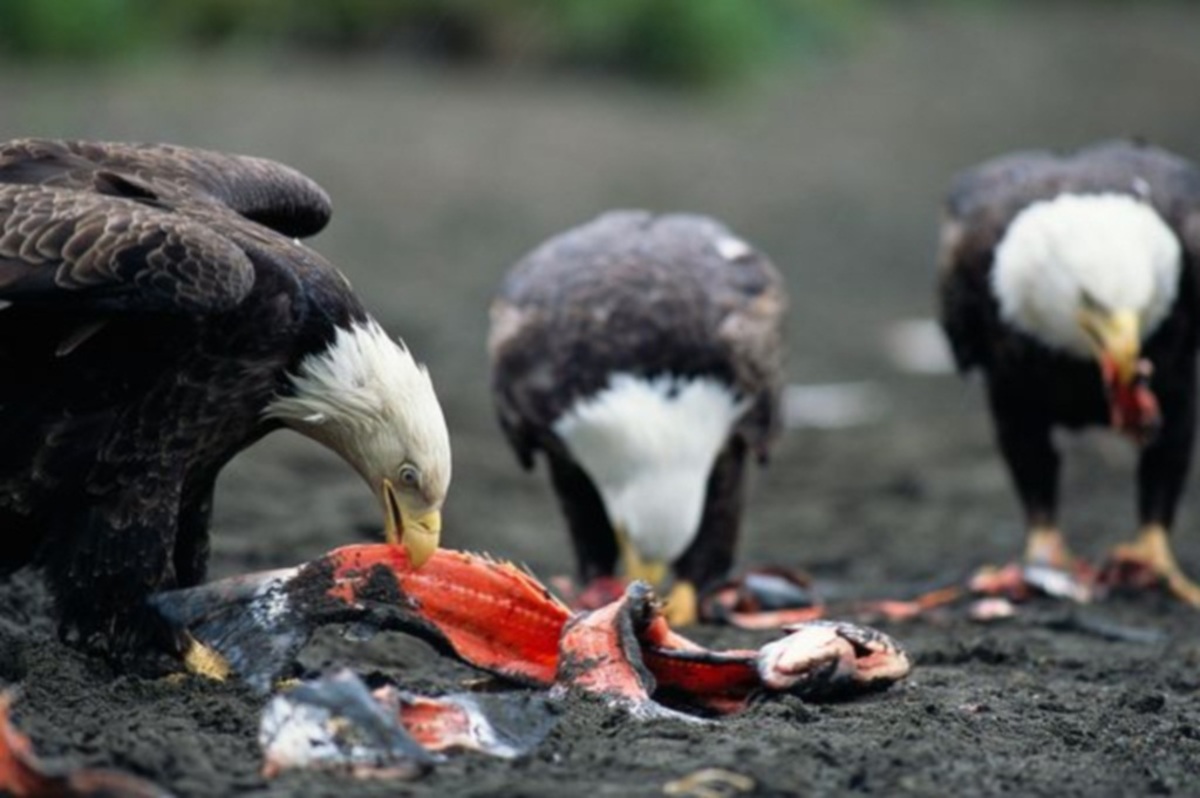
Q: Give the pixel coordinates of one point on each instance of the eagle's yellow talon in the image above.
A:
(1045, 545)
(1152, 547)
(682, 605)
(204, 661)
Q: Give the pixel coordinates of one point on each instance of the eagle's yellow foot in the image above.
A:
(1049, 568)
(682, 607)
(204, 661)
(1045, 545)
(1148, 561)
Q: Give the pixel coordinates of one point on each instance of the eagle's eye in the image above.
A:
(409, 475)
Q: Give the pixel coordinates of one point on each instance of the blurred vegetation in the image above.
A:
(683, 41)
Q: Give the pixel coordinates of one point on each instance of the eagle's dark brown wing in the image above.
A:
(261, 190)
(103, 253)
(148, 312)
(984, 199)
(638, 293)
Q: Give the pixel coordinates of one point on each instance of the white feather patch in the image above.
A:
(732, 248)
(365, 397)
(1113, 247)
(649, 446)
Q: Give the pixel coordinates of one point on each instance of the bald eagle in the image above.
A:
(1070, 281)
(158, 316)
(641, 355)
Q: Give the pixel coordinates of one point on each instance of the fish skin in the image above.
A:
(497, 617)
(824, 660)
(335, 723)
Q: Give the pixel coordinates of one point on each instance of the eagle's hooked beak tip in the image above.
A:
(634, 565)
(419, 535)
(422, 536)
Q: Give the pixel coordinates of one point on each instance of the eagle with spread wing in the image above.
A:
(158, 314)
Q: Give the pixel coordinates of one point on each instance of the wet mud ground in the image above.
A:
(442, 178)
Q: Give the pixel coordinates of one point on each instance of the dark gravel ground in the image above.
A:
(442, 179)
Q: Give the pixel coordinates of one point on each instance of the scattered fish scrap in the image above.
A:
(505, 725)
(777, 597)
(24, 775)
(496, 617)
(335, 723)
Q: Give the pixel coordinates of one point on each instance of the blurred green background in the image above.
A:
(695, 42)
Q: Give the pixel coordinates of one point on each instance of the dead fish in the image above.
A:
(24, 775)
(628, 653)
(490, 613)
(493, 615)
(600, 654)
(821, 660)
(335, 723)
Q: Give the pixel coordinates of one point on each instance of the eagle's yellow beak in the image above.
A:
(1117, 339)
(418, 534)
(634, 565)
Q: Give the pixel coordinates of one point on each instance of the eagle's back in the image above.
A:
(630, 292)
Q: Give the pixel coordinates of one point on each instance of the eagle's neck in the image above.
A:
(649, 445)
(1110, 251)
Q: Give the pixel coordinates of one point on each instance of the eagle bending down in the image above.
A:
(157, 316)
(641, 355)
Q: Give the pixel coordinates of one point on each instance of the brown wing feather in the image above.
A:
(984, 199)
(753, 332)
(106, 253)
(261, 190)
(509, 325)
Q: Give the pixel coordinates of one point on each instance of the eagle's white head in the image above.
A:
(366, 398)
(649, 446)
(1093, 275)
(1087, 273)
